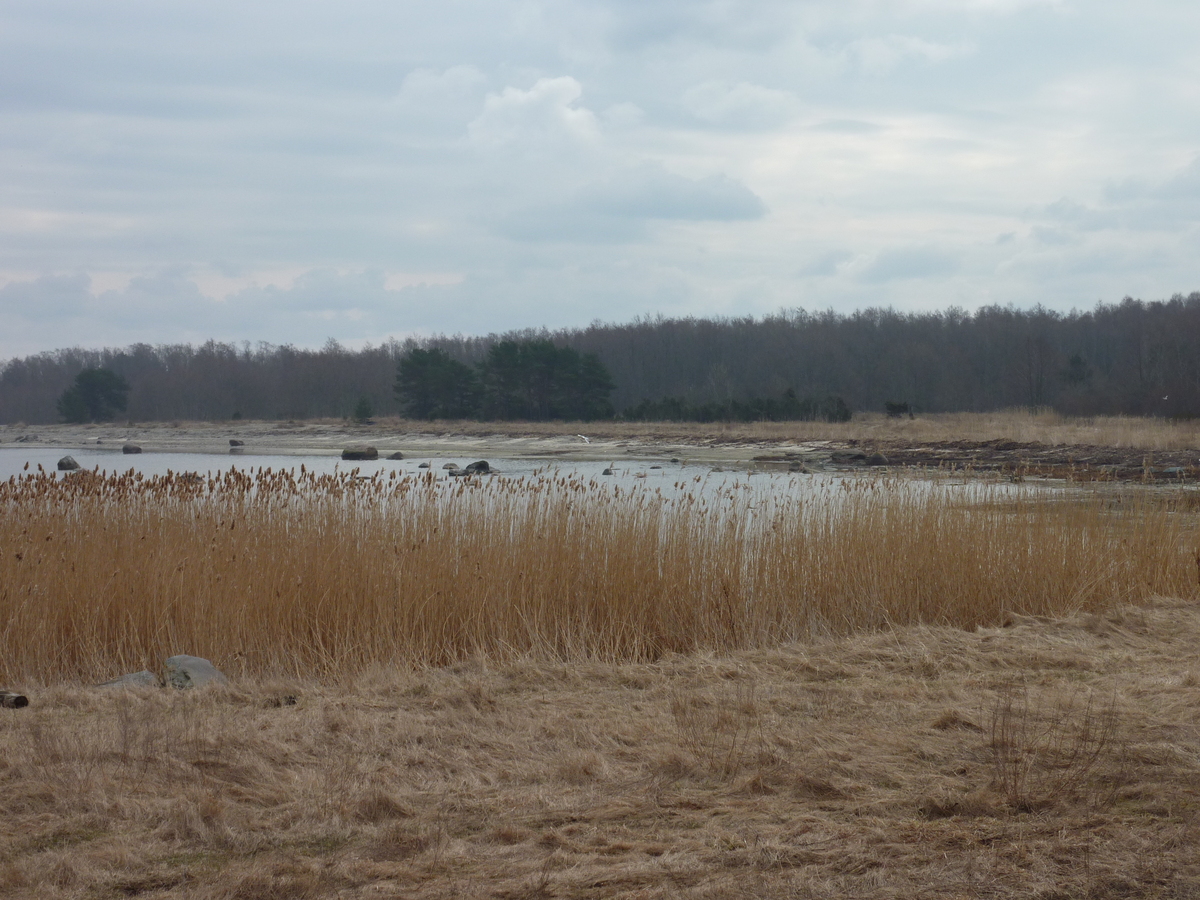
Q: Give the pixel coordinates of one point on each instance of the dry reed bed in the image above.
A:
(272, 573)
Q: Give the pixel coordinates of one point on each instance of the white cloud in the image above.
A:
(541, 117)
(879, 55)
(740, 105)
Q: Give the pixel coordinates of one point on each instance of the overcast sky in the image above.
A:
(289, 171)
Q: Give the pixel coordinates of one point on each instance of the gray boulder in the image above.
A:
(67, 464)
(234, 442)
(877, 459)
(450, 466)
(131, 448)
(396, 455)
(479, 467)
(191, 671)
(359, 453)
(423, 465)
(144, 678)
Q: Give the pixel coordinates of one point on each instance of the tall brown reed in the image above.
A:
(272, 572)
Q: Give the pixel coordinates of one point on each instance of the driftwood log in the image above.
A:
(13, 701)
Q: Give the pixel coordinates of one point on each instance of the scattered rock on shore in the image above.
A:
(396, 455)
(361, 452)
(479, 467)
(67, 464)
(191, 671)
(131, 448)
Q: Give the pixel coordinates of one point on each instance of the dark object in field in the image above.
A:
(898, 410)
(131, 448)
(423, 465)
(877, 459)
(234, 442)
(191, 671)
(144, 678)
(365, 452)
(9, 700)
(480, 467)
(396, 455)
(67, 464)
(848, 456)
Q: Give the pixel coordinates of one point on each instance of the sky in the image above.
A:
(290, 171)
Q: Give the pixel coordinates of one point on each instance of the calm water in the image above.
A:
(631, 475)
(13, 461)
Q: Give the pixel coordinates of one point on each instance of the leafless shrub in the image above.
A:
(1049, 749)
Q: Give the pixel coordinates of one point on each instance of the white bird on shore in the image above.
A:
(582, 438)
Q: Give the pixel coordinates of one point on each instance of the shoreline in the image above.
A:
(1014, 446)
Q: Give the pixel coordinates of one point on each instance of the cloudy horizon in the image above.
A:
(294, 172)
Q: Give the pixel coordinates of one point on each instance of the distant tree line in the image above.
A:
(533, 380)
(1131, 357)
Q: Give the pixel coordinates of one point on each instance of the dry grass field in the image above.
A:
(517, 689)
(1051, 758)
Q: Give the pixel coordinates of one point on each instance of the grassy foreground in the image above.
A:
(1047, 759)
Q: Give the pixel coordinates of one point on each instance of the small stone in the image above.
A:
(67, 464)
(144, 678)
(234, 442)
(423, 465)
(191, 671)
(396, 455)
(450, 466)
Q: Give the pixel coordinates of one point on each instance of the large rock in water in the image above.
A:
(67, 464)
(131, 448)
(191, 671)
(360, 453)
(478, 468)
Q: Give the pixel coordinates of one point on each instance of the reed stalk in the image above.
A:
(269, 572)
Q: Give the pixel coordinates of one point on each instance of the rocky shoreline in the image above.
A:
(1015, 460)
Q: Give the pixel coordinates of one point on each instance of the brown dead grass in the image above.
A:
(1053, 758)
(1043, 426)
